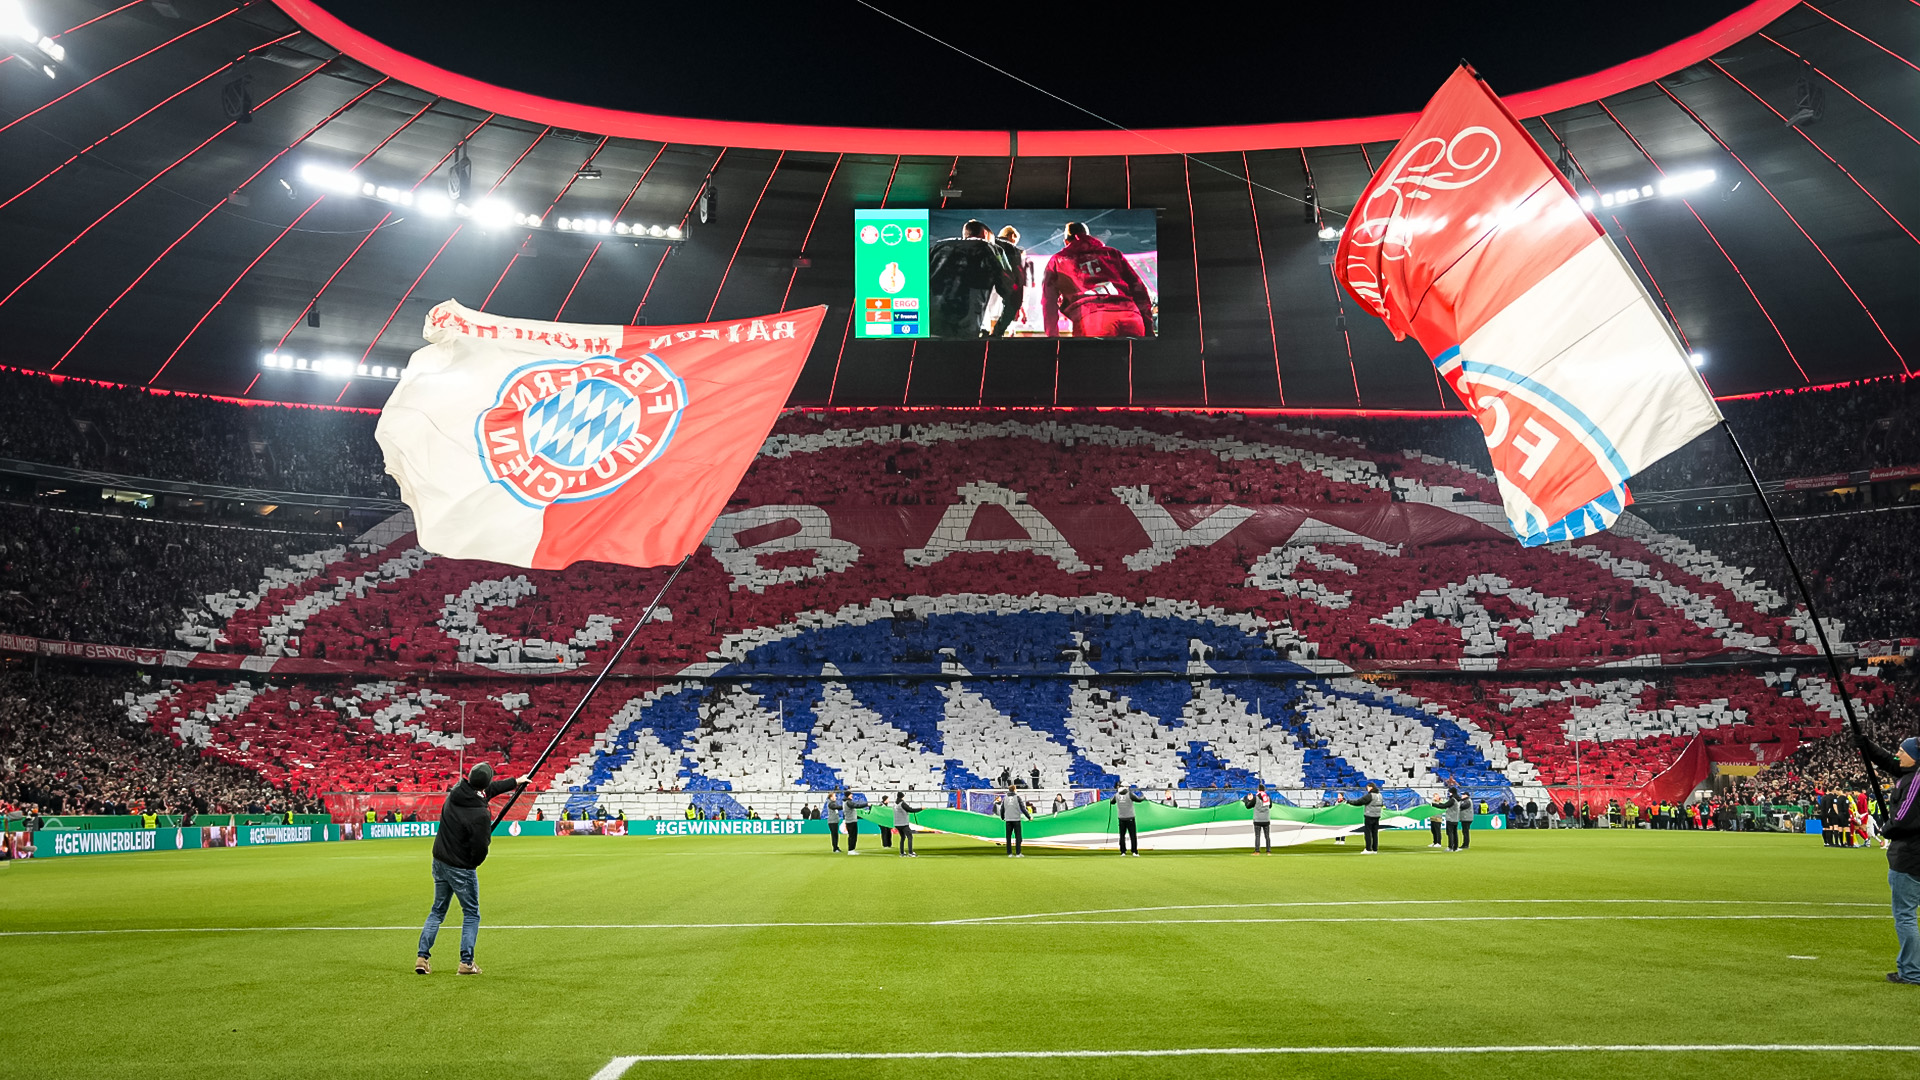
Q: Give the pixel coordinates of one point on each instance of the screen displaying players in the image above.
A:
(972, 274)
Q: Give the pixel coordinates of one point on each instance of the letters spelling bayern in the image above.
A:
(751, 330)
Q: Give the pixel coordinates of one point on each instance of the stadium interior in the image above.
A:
(1260, 545)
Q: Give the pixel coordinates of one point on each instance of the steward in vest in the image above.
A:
(1371, 804)
(1261, 804)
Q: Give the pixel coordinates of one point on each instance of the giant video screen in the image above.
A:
(950, 275)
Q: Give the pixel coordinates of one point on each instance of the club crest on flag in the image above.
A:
(564, 431)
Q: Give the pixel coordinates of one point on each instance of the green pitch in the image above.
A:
(296, 961)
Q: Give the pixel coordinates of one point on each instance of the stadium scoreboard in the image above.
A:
(890, 273)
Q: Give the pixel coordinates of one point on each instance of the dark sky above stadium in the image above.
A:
(1161, 65)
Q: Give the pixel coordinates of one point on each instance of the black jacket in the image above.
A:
(466, 824)
(1902, 828)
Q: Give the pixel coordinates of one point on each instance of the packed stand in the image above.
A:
(1833, 763)
(1864, 568)
(68, 746)
(112, 580)
(138, 432)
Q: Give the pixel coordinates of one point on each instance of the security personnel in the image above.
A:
(287, 818)
(1261, 804)
(149, 819)
(372, 817)
(1371, 804)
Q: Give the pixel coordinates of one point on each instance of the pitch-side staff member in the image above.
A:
(902, 826)
(1014, 811)
(1902, 830)
(466, 828)
(1370, 803)
(1464, 799)
(1261, 804)
(1124, 798)
(830, 813)
(1439, 803)
(850, 815)
(1451, 801)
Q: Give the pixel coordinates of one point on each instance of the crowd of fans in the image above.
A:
(67, 746)
(1833, 763)
(179, 437)
(113, 580)
(1863, 567)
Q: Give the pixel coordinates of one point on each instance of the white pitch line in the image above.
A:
(876, 924)
(618, 1067)
(1392, 903)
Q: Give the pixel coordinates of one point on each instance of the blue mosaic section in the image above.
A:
(1036, 640)
(1015, 643)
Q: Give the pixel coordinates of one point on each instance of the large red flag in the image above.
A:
(1468, 239)
(543, 444)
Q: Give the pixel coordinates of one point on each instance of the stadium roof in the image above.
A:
(163, 225)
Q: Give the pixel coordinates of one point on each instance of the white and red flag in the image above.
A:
(1470, 240)
(542, 444)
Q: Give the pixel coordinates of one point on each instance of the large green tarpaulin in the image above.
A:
(1162, 827)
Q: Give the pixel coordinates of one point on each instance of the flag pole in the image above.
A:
(1819, 631)
(595, 685)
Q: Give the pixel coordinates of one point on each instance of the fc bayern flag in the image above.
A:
(1470, 240)
(541, 444)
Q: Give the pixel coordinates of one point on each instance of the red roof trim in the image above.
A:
(855, 140)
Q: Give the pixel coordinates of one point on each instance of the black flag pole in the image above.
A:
(1813, 613)
(597, 680)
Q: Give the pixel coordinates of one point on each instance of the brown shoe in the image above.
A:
(421, 967)
(468, 969)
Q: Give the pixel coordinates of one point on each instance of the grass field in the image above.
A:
(296, 961)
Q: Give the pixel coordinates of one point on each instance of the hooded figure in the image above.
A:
(466, 828)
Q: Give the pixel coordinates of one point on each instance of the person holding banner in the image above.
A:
(1124, 798)
(830, 813)
(902, 826)
(1464, 800)
(1370, 803)
(850, 817)
(466, 828)
(1261, 804)
(1014, 811)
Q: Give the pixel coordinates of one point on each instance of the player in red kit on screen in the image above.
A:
(1096, 287)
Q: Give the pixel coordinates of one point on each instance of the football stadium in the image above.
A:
(1345, 560)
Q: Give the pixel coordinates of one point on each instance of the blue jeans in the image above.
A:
(452, 881)
(1906, 898)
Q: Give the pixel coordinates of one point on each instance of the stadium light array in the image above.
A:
(489, 213)
(25, 40)
(617, 228)
(329, 366)
(1676, 184)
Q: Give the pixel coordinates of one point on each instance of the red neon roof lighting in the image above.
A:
(918, 141)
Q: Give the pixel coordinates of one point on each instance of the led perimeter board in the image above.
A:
(970, 274)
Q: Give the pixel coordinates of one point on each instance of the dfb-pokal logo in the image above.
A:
(573, 430)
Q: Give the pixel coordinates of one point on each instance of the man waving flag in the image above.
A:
(1470, 240)
(541, 444)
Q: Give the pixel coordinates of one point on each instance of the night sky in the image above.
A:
(837, 62)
